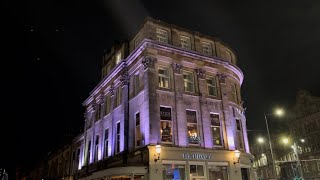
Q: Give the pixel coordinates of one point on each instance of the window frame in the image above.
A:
(229, 56)
(118, 138)
(162, 35)
(184, 43)
(234, 94)
(162, 76)
(136, 82)
(195, 163)
(96, 148)
(192, 123)
(220, 127)
(241, 144)
(137, 126)
(106, 142)
(215, 85)
(168, 121)
(209, 50)
(185, 72)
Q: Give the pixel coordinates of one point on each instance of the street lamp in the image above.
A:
(278, 112)
(260, 140)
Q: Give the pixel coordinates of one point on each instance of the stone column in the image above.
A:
(180, 118)
(125, 105)
(150, 107)
(204, 115)
(229, 137)
(113, 124)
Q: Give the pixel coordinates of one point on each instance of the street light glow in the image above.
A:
(279, 112)
(260, 140)
(285, 140)
(302, 140)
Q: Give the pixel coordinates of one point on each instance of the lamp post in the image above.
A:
(278, 112)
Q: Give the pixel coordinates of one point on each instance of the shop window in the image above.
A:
(197, 172)
(217, 172)
(106, 142)
(239, 134)
(165, 124)
(138, 134)
(216, 129)
(192, 126)
(212, 86)
(162, 35)
(164, 77)
(185, 42)
(188, 81)
(174, 172)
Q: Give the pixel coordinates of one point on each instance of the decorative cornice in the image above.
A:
(177, 68)
(149, 62)
(111, 90)
(201, 73)
(222, 77)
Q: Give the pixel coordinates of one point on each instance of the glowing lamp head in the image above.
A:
(158, 148)
(285, 140)
(279, 112)
(263, 155)
(260, 140)
(302, 140)
(237, 154)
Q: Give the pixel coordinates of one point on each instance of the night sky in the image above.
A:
(62, 42)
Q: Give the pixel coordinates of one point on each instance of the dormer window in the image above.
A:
(207, 48)
(185, 42)
(162, 35)
(229, 56)
(118, 57)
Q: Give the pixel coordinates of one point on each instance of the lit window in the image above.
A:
(164, 77)
(174, 171)
(218, 172)
(212, 86)
(118, 58)
(138, 134)
(118, 138)
(239, 134)
(98, 111)
(207, 48)
(192, 126)
(228, 56)
(234, 96)
(185, 42)
(165, 124)
(162, 35)
(96, 149)
(106, 142)
(216, 130)
(196, 172)
(107, 105)
(188, 80)
(118, 96)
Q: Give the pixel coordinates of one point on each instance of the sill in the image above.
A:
(164, 89)
(191, 93)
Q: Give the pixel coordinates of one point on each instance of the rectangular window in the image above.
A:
(164, 77)
(174, 171)
(106, 142)
(107, 105)
(207, 48)
(118, 57)
(98, 111)
(138, 134)
(185, 42)
(165, 124)
(218, 172)
(118, 96)
(306, 166)
(96, 149)
(118, 138)
(162, 35)
(212, 86)
(136, 83)
(196, 172)
(89, 152)
(188, 79)
(234, 96)
(239, 134)
(229, 56)
(192, 126)
(216, 129)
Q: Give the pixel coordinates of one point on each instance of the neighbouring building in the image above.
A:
(168, 107)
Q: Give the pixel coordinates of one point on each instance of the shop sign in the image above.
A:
(196, 156)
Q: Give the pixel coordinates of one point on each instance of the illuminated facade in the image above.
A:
(170, 87)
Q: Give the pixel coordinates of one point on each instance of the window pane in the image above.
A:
(174, 172)
(165, 129)
(217, 173)
(196, 170)
(165, 113)
(215, 121)
(193, 134)
(216, 135)
(191, 116)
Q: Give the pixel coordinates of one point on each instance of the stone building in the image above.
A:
(168, 107)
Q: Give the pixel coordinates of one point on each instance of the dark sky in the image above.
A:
(62, 42)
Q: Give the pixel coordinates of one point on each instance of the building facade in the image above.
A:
(168, 107)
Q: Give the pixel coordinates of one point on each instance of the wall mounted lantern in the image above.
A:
(237, 156)
(158, 151)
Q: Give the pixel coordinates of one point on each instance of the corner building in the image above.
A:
(170, 87)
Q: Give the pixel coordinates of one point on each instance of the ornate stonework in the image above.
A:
(149, 62)
(125, 75)
(201, 73)
(176, 68)
(222, 77)
(111, 90)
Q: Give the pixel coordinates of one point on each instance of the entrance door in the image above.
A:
(245, 173)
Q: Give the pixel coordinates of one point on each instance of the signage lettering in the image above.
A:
(196, 156)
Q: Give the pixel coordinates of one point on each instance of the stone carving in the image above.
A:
(201, 73)
(102, 99)
(176, 68)
(111, 89)
(222, 77)
(149, 62)
(94, 107)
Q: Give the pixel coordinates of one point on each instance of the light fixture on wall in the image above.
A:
(237, 156)
(158, 151)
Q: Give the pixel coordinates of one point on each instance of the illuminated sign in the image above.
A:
(196, 156)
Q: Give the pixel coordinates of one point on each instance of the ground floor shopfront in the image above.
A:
(174, 163)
